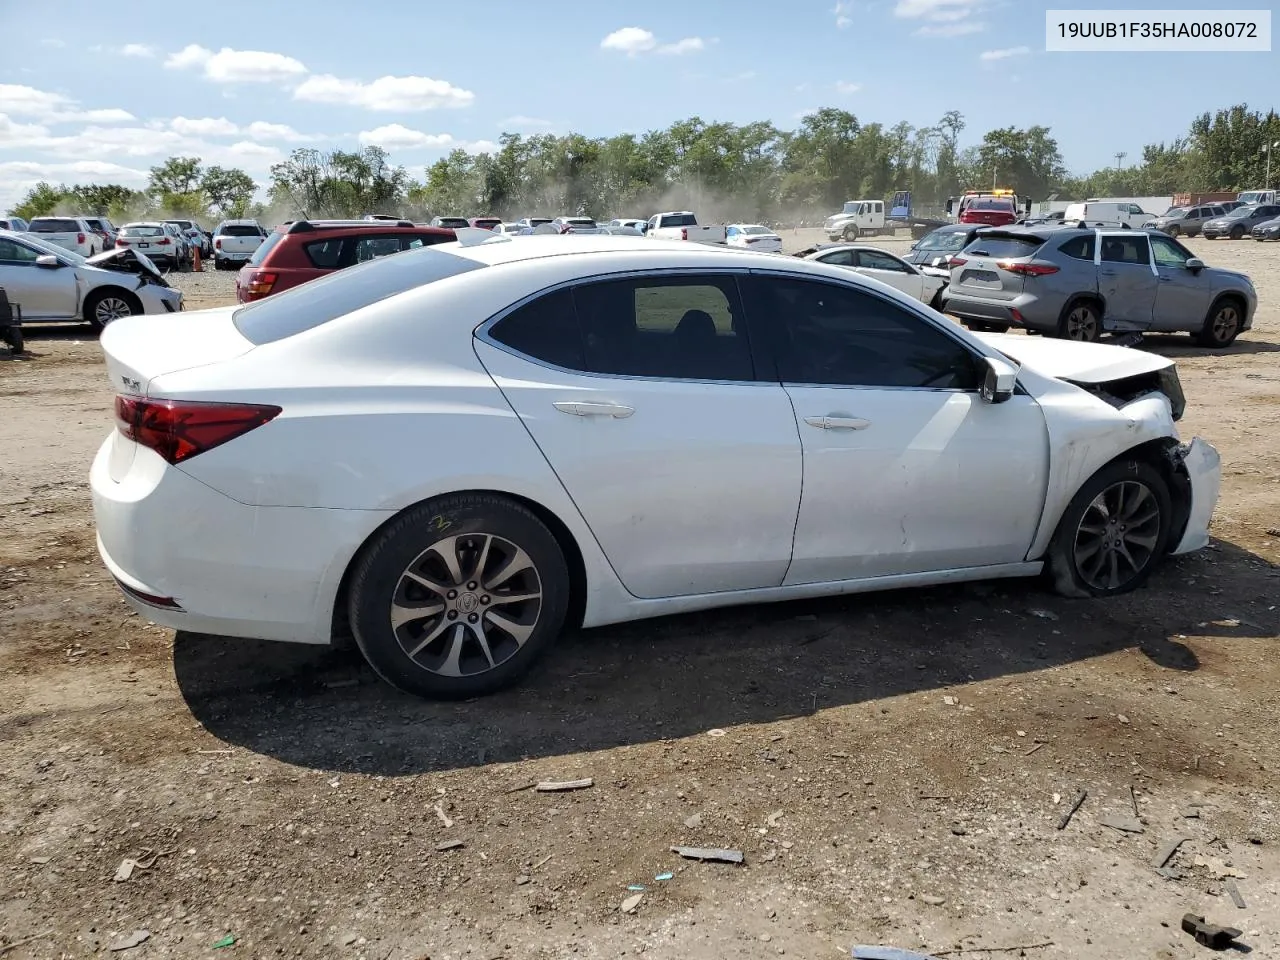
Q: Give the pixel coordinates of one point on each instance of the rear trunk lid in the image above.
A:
(138, 349)
(977, 269)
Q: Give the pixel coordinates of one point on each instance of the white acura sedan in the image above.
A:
(457, 450)
(884, 266)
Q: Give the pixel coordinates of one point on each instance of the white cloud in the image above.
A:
(205, 127)
(17, 99)
(141, 50)
(111, 115)
(1004, 54)
(521, 122)
(842, 10)
(237, 66)
(248, 150)
(936, 10)
(634, 41)
(262, 130)
(950, 29)
(12, 132)
(398, 94)
(53, 42)
(395, 136)
(479, 146)
(845, 88)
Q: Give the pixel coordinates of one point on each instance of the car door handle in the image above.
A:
(838, 423)
(581, 408)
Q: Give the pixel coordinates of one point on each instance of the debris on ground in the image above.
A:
(1234, 893)
(450, 845)
(1218, 868)
(666, 875)
(559, 786)
(444, 817)
(629, 905)
(129, 940)
(1121, 822)
(774, 817)
(636, 887)
(228, 941)
(932, 900)
(1208, 934)
(693, 822)
(1165, 853)
(1071, 811)
(886, 953)
(1043, 614)
(717, 732)
(709, 853)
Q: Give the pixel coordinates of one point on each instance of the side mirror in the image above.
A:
(999, 381)
(48, 261)
(1194, 264)
(941, 262)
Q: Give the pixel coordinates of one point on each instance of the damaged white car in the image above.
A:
(459, 450)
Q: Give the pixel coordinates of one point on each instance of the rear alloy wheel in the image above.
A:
(459, 596)
(1222, 325)
(103, 308)
(1112, 533)
(1081, 322)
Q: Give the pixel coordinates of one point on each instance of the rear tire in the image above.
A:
(1080, 321)
(13, 337)
(1222, 325)
(1113, 533)
(459, 562)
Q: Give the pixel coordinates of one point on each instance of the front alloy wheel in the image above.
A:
(1117, 535)
(1223, 325)
(458, 596)
(108, 308)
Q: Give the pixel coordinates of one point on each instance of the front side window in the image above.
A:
(1168, 252)
(671, 327)
(1130, 249)
(13, 252)
(827, 334)
(875, 260)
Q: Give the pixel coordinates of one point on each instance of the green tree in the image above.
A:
(177, 175)
(227, 190)
(40, 201)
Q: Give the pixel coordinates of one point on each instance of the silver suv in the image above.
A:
(1185, 221)
(1079, 283)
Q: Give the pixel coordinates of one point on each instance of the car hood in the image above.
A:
(126, 260)
(1076, 362)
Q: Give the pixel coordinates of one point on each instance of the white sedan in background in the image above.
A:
(752, 236)
(627, 429)
(884, 266)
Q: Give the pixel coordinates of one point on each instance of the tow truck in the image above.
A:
(995, 208)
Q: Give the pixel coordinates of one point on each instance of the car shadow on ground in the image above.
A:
(35, 334)
(1173, 345)
(677, 676)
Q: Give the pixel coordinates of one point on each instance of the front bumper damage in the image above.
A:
(1201, 465)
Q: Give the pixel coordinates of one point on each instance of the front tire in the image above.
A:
(459, 596)
(1237, 233)
(1081, 321)
(106, 306)
(1222, 326)
(1113, 532)
(850, 233)
(1174, 230)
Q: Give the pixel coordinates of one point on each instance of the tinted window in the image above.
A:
(336, 294)
(324, 254)
(1079, 247)
(841, 258)
(1133, 249)
(143, 231)
(822, 333)
(545, 329)
(370, 248)
(1168, 252)
(670, 327)
(680, 220)
(998, 246)
(239, 230)
(11, 252)
(949, 241)
(52, 225)
(264, 248)
(874, 260)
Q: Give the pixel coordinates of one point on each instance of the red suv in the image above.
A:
(303, 250)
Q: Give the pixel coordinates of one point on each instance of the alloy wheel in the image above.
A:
(466, 604)
(1225, 323)
(1082, 324)
(111, 308)
(1117, 535)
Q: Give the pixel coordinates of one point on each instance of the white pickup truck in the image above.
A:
(683, 225)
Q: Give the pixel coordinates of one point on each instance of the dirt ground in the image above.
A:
(894, 767)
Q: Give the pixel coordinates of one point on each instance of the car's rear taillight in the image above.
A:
(217, 244)
(163, 242)
(957, 262)
(684, 233)
(180, 429)
(79, 238)
(1027, 269)
(261, 282)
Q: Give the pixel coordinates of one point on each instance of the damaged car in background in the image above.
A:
(55, 285)
(602, 402)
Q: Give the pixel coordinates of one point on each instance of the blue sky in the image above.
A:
(90, 93)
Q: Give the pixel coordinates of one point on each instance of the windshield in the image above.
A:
(1241, 213)
(48, 248)
(142, 231)
(850, 206)
(1254, 196)
(453, 222)
(945, 240)
(984, 203)
(755, 228)
(309, 305)
(1174, 212)
(265, 248)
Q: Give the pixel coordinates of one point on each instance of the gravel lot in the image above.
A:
(893, 767)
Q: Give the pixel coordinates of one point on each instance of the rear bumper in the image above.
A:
(1029, 316)
(214, 565)
(1204, 468)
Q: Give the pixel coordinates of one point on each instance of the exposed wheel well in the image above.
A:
(1229, 297)
(340, 628)
(1164, 454)
(95, 295)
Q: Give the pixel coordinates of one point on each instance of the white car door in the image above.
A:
(43, 293)
(642, 395)
(906, 469)
(887, 268)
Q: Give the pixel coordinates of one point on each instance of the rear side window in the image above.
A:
(264, 248)
(53, 225)
(323, 254)
(336, 294)
(1081, 248)
(1003, 247)
(545, 329)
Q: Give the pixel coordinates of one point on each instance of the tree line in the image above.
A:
(750, 171)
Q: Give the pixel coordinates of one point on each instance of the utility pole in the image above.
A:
(1267, 148)
(1120, 159)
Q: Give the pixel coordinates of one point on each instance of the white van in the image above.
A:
(1107, 213)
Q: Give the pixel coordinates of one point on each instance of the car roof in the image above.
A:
(831, 247)
(359, 226)
(145, 223)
